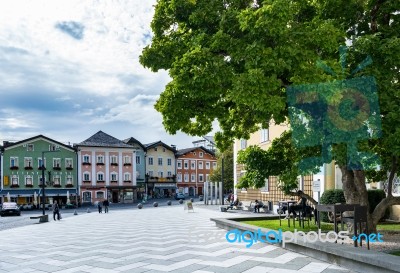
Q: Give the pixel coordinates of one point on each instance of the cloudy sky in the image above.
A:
(70, 68)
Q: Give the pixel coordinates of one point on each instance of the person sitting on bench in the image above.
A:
(299, 206)
(257, 206)
(233, 204)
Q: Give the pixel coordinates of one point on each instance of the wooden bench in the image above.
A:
(42, 218)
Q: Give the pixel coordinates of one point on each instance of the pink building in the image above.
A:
(106, 170)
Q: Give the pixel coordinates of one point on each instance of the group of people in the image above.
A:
(104, 204)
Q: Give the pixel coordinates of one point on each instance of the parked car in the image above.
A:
(179, 196)
(10, 208)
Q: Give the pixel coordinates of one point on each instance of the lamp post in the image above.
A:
(222, 179)
(43, 181)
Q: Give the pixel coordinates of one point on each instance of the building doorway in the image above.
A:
(115, 197)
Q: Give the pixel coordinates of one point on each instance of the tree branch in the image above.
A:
(393, 171)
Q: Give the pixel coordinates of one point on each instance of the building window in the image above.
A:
(201, 154)
(179, 164)
(179, 177)
(160, 161)
(86, 176)
(86, 159)
(69, 180)
(155, 149)
(169, 162)
(150, 161)
(214, 165)
(68, 163)
(163, 149)
(186, 164)
(53, 147)
(100, 195)
(114, 177)
(186, 177)
(193, 165)
(40, 164)
(127, 177)
(243, 144)
(113, 160)
(160, 174)
(14, 180)
(100, 177)
(28, 180)
(151, 173)
(100, 159)
(30, 147)
(169, 174)
(13, 162)
(137, 159)
(56, 162)
(200, 164)
(87, 196)
(207, 177)
(264, 135)
(207, 165)
(127, 160)
(193, 177)
(201, 178)
(56, 180)
(28, 162)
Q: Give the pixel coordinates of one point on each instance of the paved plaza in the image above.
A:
(163, 239)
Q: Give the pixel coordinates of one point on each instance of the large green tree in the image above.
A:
(232, 60)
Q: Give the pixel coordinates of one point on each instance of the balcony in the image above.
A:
(100, 164)
(69, 185)
(100, 181)
(28, 168)
(87, 181)
(114, 164)
(86, 163)
(14, 168)
(127, 181)
(127, 164)
(57, 168)
(69, 168)
(57, 185)
(28, 186)
(114, 181)
(41, 168)
(14, 186)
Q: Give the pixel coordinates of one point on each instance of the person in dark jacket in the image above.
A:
(99, 207)
(56, 210)
(105, 205)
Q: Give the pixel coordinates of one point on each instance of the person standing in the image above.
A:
(99, 207)
(56, 210)
(105, 205)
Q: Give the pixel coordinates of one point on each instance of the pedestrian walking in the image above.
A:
(105, 205)
(56, 210)
(99, 207)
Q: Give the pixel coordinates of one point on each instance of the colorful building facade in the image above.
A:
(193, 168)
(24, 163)
(160, 169)
(107, 170)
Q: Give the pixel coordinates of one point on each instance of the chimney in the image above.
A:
(173, 146)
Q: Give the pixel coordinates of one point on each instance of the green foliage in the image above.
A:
(228, 169)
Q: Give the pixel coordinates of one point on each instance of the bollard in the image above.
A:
(155, 204)
(169, 203)
(75, 212)
(139, 206)
(180, 201)
(88, 210)
(191, 200)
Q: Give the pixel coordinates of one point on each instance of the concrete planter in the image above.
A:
(139, 206)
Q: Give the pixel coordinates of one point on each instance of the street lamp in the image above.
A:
(222, 178)
(44, 179)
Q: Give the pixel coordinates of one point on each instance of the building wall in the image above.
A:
(24, 173)
(98, 188)
(165, 154)
(198, 170)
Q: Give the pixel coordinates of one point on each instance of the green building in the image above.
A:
(22, 170)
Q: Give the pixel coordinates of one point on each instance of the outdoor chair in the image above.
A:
(360, 217)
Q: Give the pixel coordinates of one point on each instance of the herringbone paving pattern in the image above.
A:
(165, 239)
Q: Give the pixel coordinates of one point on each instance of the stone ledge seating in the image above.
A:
(42, 218)
(245, 205)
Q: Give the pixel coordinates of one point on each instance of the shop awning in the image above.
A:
(22, 193)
